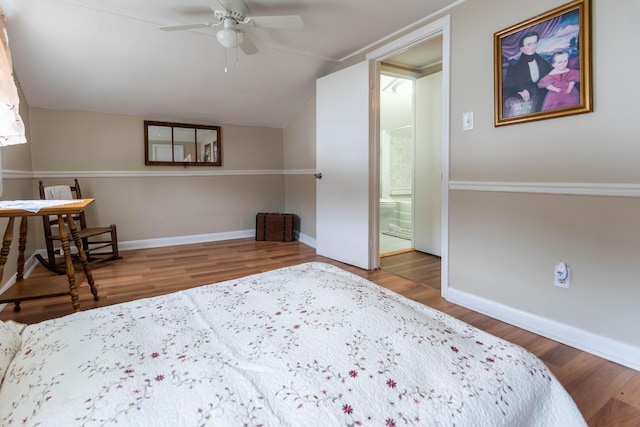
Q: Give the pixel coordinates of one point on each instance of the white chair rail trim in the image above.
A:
(17, 174)
(573, 188)
(569, 188)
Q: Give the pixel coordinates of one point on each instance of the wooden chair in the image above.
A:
(93, 247)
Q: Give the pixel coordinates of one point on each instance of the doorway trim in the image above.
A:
(375, 57)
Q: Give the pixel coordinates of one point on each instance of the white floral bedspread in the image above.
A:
(310, 345)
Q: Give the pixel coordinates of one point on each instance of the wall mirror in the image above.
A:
(170, 144)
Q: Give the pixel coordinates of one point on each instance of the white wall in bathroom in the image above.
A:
(427, 195)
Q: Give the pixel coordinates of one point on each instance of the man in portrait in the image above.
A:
(520, 91)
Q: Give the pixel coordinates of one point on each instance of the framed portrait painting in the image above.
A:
(543, 66)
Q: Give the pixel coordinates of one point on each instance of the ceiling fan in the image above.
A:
(233, 18)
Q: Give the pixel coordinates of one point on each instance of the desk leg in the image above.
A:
(83, 256)
(68, 261)
(22, 245)
(6, 244)
(4, 253)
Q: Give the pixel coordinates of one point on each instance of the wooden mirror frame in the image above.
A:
(181, 144)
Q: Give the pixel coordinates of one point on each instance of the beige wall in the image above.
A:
(596, 147)
(148, 202)
(85, 141)
(503, 246)
(147, 208)
(299, 139)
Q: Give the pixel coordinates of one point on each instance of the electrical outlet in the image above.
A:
(562, 275)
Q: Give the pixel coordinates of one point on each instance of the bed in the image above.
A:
(308, 345)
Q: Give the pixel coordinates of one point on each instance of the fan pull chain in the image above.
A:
(236, 34)
(237, 56)
(225, 60)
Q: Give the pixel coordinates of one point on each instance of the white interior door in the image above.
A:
(343, 158)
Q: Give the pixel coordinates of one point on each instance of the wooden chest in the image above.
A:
(277, 227)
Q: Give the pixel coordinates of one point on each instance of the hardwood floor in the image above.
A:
(606, 393)
(413, 265)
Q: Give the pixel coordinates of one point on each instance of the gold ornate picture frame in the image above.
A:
(543, 66)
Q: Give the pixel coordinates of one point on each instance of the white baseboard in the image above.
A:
(607, 348)
(309, 241)
(185, 240)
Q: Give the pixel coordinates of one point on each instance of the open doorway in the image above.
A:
(396, 161)
(410, 161)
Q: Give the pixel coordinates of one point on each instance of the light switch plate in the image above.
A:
(467, 121)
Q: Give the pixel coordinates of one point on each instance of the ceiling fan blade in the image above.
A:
(186, 26)
(247, 46)
(284, 21)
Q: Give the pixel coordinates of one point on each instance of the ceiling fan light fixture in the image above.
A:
(229, 38)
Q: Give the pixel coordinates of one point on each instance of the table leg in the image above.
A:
(66, 249)
(4, 253)
(83, 256)
(22, 244)
(6, 244)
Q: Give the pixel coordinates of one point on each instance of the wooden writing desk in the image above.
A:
(45, 287)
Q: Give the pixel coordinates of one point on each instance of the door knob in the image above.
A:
(318, 175)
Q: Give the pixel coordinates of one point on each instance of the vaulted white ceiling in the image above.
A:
(109, 56)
